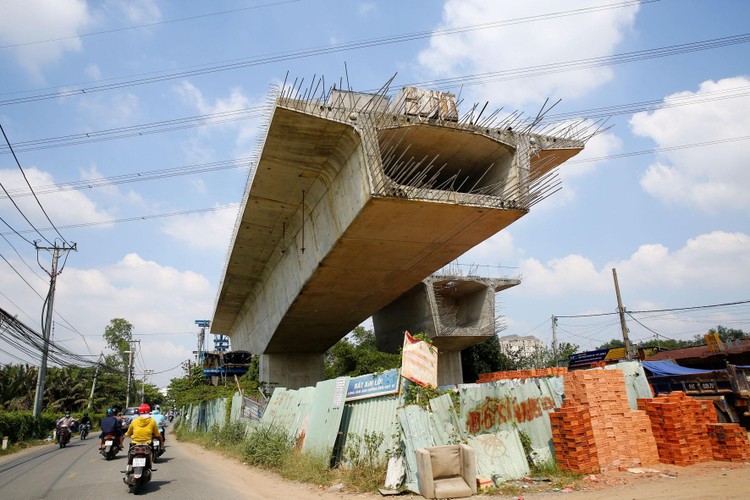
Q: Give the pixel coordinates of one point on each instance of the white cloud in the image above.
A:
(93, 72)
(155, 298)
(25, 21)
(710, 178)
(652, 268)
(246, 128)
(526, 44)
(113, 110)
(497, 250)
(64, 206)
(137, 11)
(210, 231)
(364, 9)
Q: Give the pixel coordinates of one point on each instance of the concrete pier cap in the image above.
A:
(354, 199)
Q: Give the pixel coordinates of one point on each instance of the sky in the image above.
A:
(135, 122)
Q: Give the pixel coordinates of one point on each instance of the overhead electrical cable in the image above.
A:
(33, 271)
(643, 311)
(245, 162)
(148, 25)
(66, 91)
(224, 117)
(19, 274)
(149, 217)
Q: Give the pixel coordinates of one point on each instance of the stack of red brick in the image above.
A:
(596, 430)
(522, 374)
(573, 438)
(687, 431)
(729, 442)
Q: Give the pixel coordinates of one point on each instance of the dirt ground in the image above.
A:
(711, 480)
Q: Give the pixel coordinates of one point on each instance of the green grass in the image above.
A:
(16, 447)
(270, 448)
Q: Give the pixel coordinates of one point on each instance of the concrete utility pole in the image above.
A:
(621, 310)
(554, 338)
(146, 374)
(130, 371)
(47, 326)
(93, 384)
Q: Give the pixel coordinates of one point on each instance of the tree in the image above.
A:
(485, 357)
(17, 386)
(358, 356)
(118, 335)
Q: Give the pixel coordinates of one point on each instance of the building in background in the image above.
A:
(515, 344)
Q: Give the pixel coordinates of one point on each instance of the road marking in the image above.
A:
(72, 474)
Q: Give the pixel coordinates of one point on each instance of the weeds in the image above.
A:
(268, 446)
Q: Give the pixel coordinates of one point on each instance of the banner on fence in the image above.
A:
(372, 385)
(419, 361)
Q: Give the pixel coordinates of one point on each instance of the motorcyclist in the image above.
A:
(161, 422)
(143, 428)
(110, 424)
(85, 421)
(66, 421)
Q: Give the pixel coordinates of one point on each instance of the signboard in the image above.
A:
(585, 358)
(373, 385)
(419, 361)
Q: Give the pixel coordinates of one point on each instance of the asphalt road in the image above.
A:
(78, 471)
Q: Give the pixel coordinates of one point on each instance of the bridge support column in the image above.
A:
(450, 368)
(291, 370)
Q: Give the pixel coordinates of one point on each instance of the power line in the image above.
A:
(159, 174)
(476, 79)
(18, 163)
(148, 175)
(147, 217)
(146, 25)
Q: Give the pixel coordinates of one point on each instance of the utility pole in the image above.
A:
(47, 325)
(554, 338)
(203, 324)
(621, 310)
(93, 384)
(130, 369)
(146, 374)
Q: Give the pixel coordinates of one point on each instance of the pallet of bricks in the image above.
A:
(687, 431)
(595, 430)
(522, 374)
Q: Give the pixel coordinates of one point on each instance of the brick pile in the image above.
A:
(621, 437)
(573, 437)
(522, 374)
(678, 423)
(729, 442)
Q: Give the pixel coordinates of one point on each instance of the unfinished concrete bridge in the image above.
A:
(354, 201)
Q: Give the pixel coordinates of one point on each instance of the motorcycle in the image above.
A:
(63, 435)
(85, 430)
(139, 468)
(111, 447)
(156, 450)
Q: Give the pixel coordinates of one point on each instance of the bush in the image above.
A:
(21, 425)
(268, 446)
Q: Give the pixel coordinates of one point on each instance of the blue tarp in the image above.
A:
(663, 368)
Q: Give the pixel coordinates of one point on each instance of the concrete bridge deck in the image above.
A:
(353, 202)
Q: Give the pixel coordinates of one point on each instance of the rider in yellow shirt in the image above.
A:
(143, 428)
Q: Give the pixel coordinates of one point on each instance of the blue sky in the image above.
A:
(96, 93)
